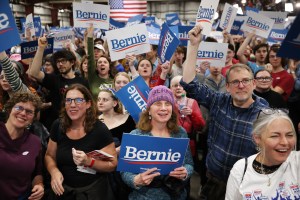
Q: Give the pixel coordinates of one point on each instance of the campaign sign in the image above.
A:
(183, 34)
(277, 35)
(153, 34)
(214, 53)
(85, 14)
(139, 153)
(29, 25)
(63, 37)
(173, 19)
(128, 40)
(174, 29)
(9, 35)
(236, 26)
(149, 20)
(28, 49)
(37, 26)
(227, 19)
(113, 24)
(259, 23)
(205, 14)
(291, 44)
(168, 43)
(218, 35)
(278, 17)
(250, 9)
(134, 20)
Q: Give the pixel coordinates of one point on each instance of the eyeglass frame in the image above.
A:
(62, 61)
(236, 83)
(68, 101)
(263, 78)
(271, 111)
(20, 109)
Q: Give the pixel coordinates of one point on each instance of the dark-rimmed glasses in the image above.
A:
(77, 101)
(264, 78)
(245, 82)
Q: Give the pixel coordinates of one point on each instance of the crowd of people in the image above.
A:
(57, 108)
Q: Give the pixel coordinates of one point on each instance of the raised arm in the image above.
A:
(240, 53)
(189, 71)
(131, 59)
(35, 68)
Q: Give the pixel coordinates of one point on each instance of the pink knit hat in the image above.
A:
(160, 93)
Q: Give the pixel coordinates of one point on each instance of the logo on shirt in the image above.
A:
(25, 153)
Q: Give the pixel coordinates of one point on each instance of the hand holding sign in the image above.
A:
(131, 59)
(42, 42)
(146, 177)
(165, 68)
(195, 35)
(180, 173)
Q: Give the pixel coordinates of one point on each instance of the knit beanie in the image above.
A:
(160, 93)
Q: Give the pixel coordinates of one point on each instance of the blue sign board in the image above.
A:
(277, 35)
(28, 49)
(153, 34)
(236, 27)
(140, 153)
(134, 20)
(173, 19)
(183, 34)
(37, 25)
(113, 24)
(149, 20)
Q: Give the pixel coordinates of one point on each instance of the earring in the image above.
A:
(257, 148)
(150, 117)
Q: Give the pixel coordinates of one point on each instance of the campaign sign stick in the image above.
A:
(259, 23)
(85, 14)
(228, 15)
(205, 14)
(128, 40)
(139, 153)
(153, 34)
(28, 49)
(168, 43)
(113, 24)
(173, 19)
(134, 97)
(183, 34)
(134, 20)
(62, 37)
(278, 17)
(277, 35)
(215, 53)
(291, 44)
(9, 35)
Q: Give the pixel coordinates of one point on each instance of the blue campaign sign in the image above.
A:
(37, 25)
(28, 49)
(173, 19)
(251, 9)
(113, 24)
(168, 43)
(9, 34)
(183, 34)
(236, 26)
(277, 35)
(134, 20)
(149, 20)
(291, 44)
(174, 29)
(134, 97)
(153, 34)
(154, 25)
(140, 153)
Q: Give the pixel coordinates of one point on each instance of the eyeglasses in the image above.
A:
(271, 111)
(264, 78)
(27, 111)
(236, 83)
(77, 101)
(62, 61)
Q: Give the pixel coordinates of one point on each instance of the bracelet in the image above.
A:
(92, 163)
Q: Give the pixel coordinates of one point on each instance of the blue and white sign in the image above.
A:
(227, 19)
(168, 43)
(235, 29)
(28, 49)
(134, 97)
(278, 17)
(85, 14)
(9, 34)
(140, 153)
(134, 20)
(149, 20)
(29, 25)
(183, 34)
(277, 35)
(113, 24)
(259, 23)
(37, 25)
(250, 9)
(290, 46)
(212, 52)
(173, 19)
(61, 38)
(153, 34)
(205, 14)
(128, 40)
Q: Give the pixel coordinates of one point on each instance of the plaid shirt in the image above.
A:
(230, 127)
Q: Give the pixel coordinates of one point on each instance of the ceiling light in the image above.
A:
(298, 5)
(289, 7)
(277, 1)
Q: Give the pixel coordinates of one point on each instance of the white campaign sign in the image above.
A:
(259, 23)
(205, 14)
(279, 18)
(218, 35)
(227, 19)
(62, 37)
(214, 53)
(29, 25)
(128, 40)
(85, 14)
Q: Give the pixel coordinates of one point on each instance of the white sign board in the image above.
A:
(227, 19)
(278, 17)
(85, 14)
(128, 40)
(29, 25)
(205, 14)
(259, 23)
(212, 52)
(63, 37)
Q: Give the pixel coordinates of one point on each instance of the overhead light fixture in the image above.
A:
(277, 1)
(298, 5)
(61, 10)
(243, 1)
(289, 7)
